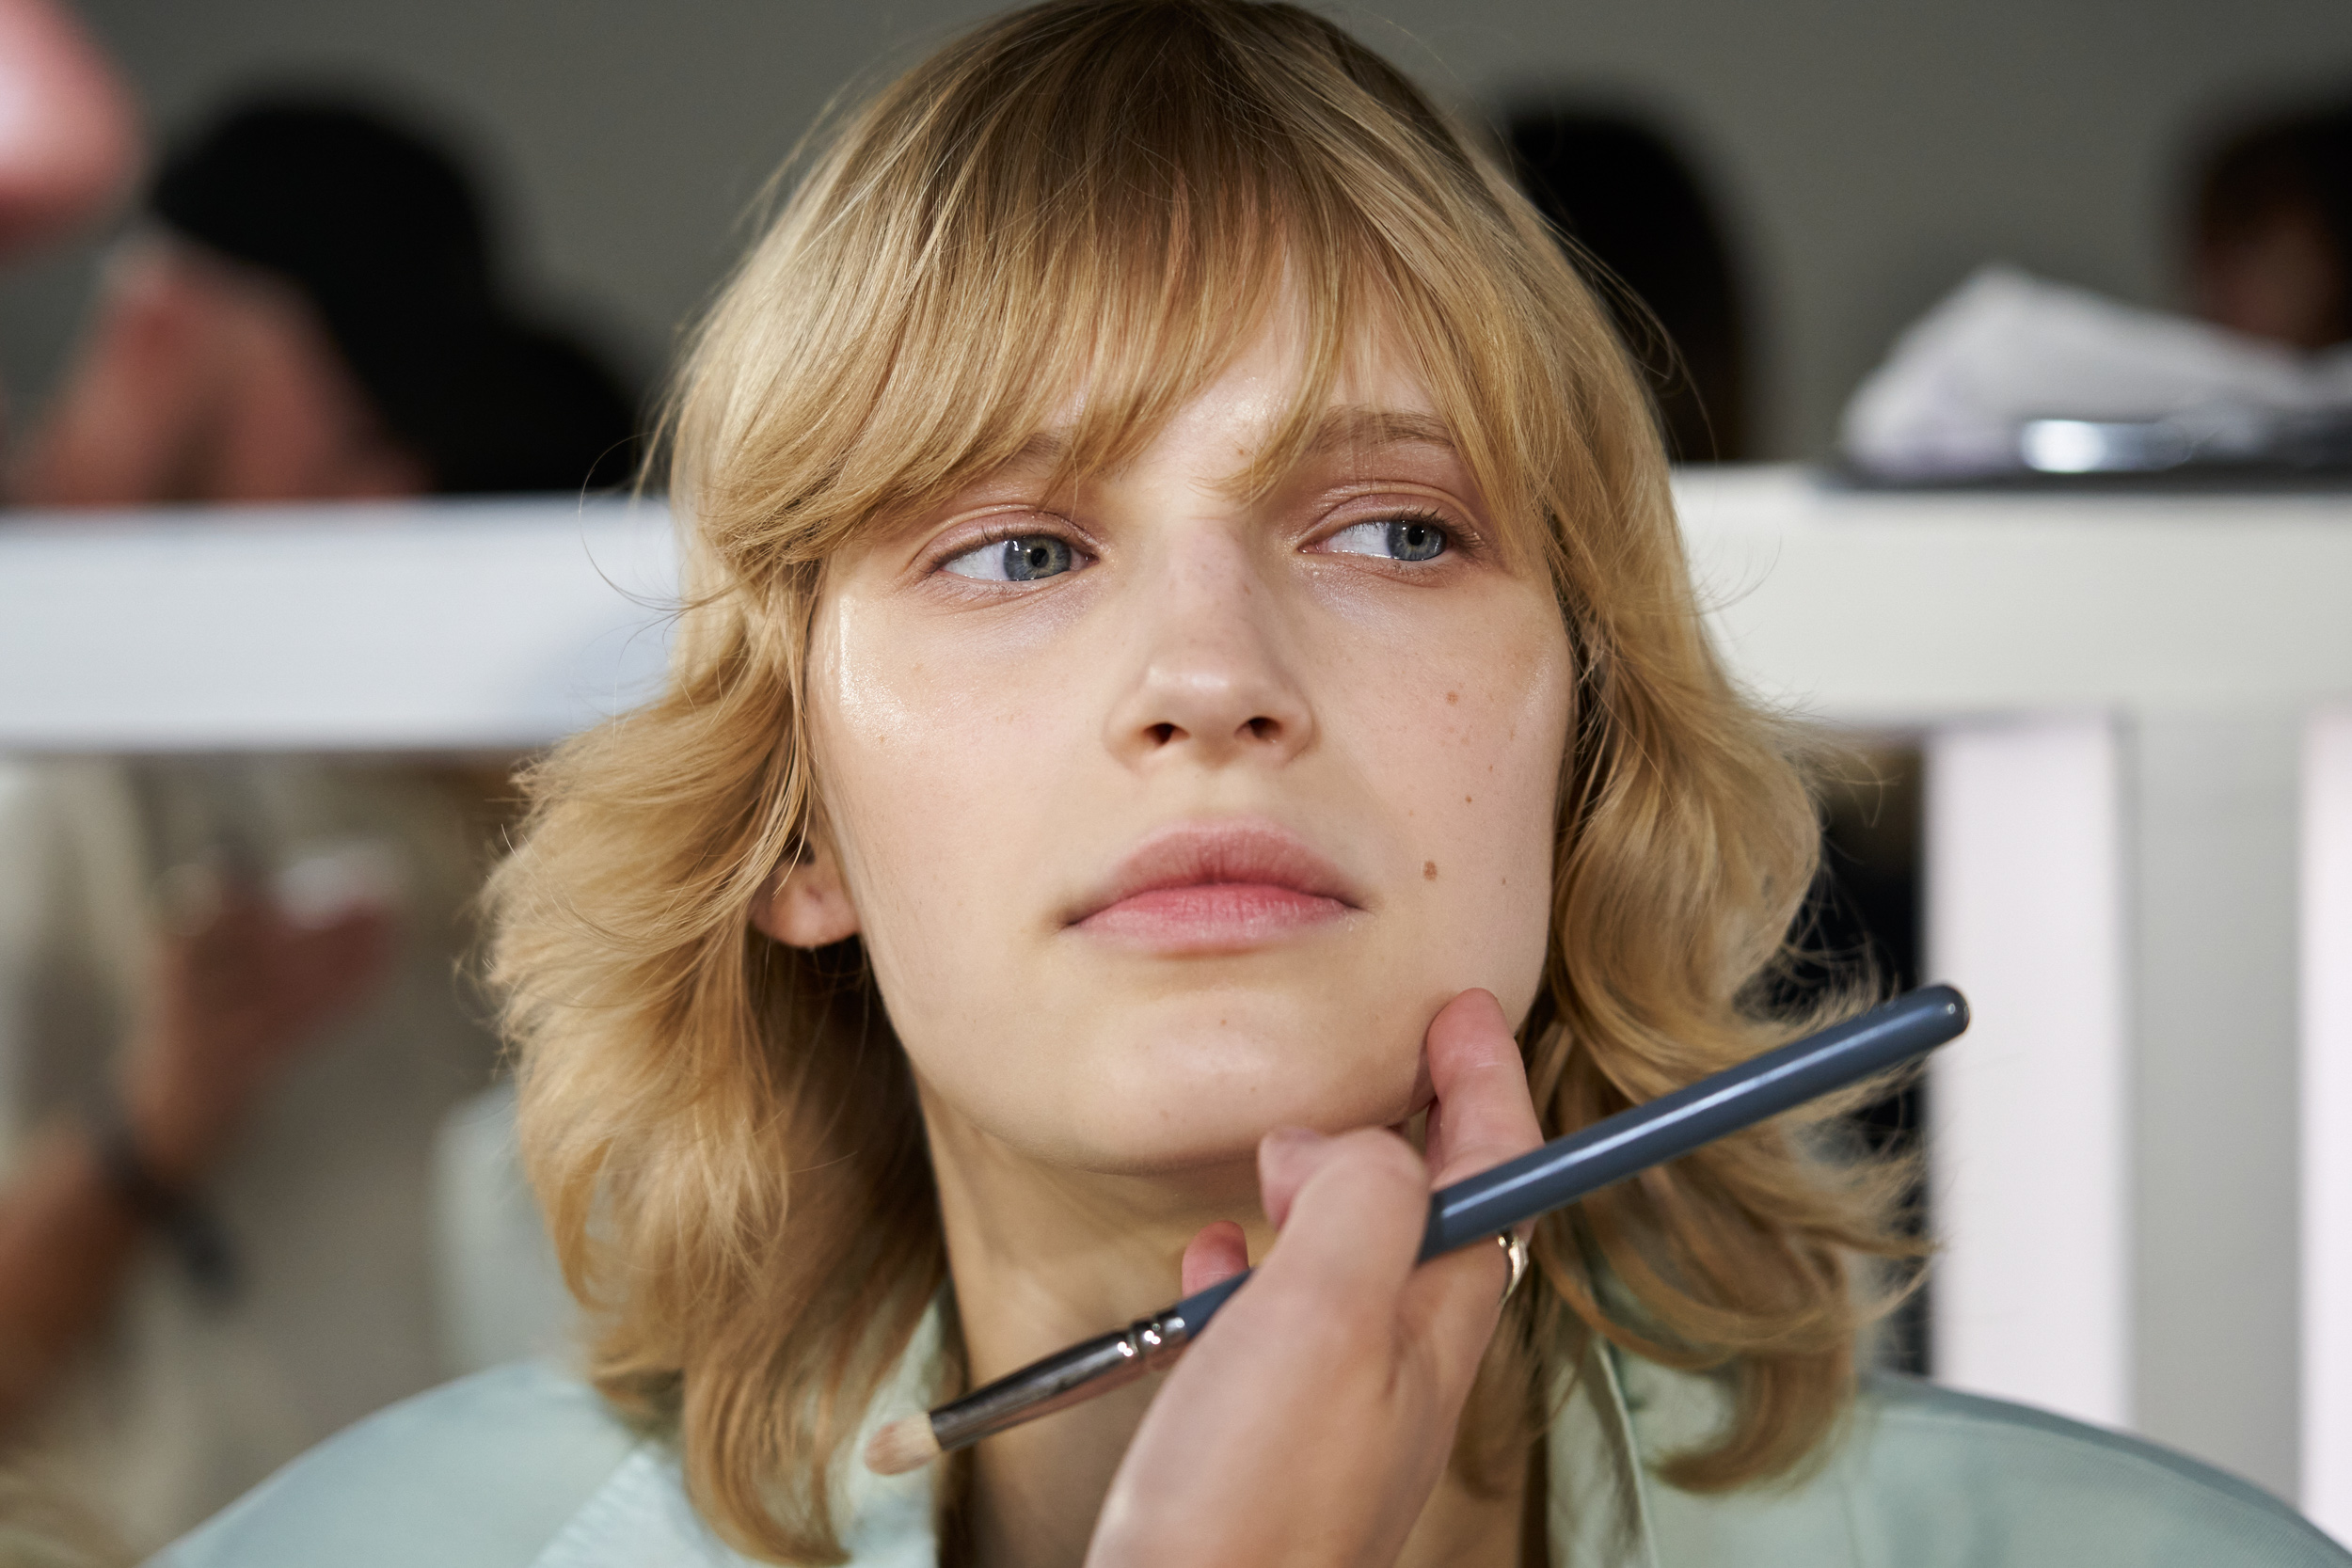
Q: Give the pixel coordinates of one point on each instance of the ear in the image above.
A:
(805, 903)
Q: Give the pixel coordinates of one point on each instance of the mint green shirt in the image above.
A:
(523, 1468)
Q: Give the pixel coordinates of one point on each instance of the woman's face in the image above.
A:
(1170, 815)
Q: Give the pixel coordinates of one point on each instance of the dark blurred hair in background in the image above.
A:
(382, 230)
(1641, 228)
(1630, 203)
(2271, 227)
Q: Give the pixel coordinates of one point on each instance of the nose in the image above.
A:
(1208, 678)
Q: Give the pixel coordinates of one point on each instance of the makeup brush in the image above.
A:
(1471, 1209)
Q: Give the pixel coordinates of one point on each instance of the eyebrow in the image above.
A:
(1341, 429)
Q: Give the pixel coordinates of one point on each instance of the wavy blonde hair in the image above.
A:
(1111, 194)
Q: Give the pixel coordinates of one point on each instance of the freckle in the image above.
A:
(1454, 696)
(1466, 799)
(1429, 871)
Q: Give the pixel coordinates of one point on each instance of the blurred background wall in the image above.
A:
(1869, 153)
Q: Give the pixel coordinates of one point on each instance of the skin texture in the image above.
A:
(991, 754)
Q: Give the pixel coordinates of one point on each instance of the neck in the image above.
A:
(1043, 1256)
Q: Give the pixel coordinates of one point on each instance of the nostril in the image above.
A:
(1162, 734)
(1263, 729)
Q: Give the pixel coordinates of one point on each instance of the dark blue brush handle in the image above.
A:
(1631, 1141)
(1494, 1200)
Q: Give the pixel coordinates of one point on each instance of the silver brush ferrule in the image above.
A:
(1067, 1377)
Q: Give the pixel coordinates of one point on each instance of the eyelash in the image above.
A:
(1461, 539)
(995, 533)
(1426, 518)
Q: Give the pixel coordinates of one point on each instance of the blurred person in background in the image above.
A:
(231, 1017)
(69, 151)
(309, 311)
(2270, 247)
(238, 985)
(1649, 241)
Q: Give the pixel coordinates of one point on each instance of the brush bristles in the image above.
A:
(902, 1446)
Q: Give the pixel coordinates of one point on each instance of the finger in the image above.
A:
(1285, 1156)
(1215, 1255)
(1483, 1114)
(1356, 1208)
(1450, 1308)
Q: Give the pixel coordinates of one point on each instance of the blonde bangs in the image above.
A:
(1077, 230)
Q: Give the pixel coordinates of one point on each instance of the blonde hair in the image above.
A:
(1110, 195)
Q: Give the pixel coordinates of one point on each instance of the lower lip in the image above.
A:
(1213, 917)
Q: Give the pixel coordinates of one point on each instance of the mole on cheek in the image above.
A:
(1454, 696)
(1429, 871)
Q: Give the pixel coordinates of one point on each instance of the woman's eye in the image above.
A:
(1022, 560)
(1397, 538)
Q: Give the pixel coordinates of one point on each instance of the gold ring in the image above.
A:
(1515, 1252)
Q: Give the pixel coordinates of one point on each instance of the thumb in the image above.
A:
(1286, 1157)
(1216, 1255)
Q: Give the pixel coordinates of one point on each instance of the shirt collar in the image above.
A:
(1597, 1502)
(1599, 1512)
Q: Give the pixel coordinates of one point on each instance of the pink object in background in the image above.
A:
(70, 142)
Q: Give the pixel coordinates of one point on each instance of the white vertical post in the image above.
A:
(2215, 1365)
(2030, 1158)
(2326, 1118)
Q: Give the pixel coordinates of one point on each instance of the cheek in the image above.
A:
(920, 753)
(1468, 760)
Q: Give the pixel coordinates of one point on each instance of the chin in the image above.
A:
(1183, 1095)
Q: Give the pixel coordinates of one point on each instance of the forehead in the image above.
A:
(1288, 375)
(1266, 411)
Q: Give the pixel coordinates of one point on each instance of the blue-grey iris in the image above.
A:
(1410, 541)
(1036, 556)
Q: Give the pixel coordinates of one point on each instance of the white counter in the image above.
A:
(478, 626)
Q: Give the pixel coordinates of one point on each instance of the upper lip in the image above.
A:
(1196, 854)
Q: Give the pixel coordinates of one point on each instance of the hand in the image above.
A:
(237, 991)
(1312, 1419)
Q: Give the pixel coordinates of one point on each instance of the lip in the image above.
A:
(1215, 887)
